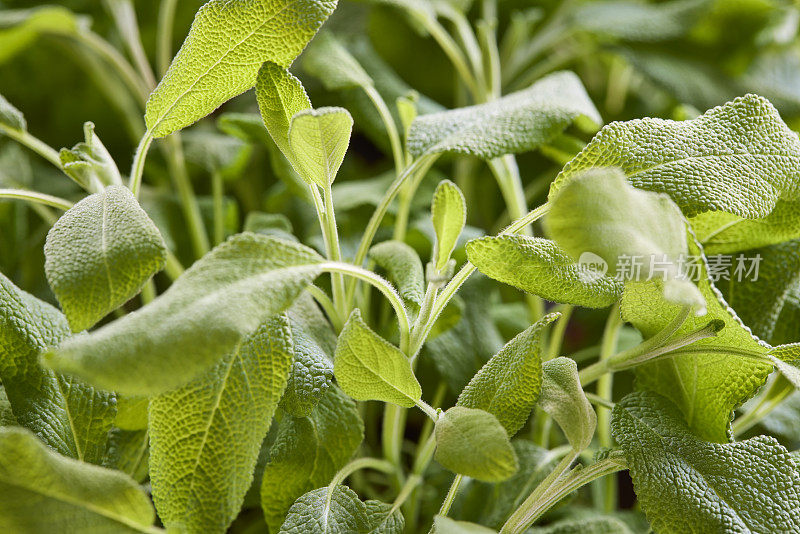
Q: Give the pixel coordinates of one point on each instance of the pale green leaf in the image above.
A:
(407, 110)
(45, 492)
(711, 377)
(638, 21)
(11, 117)
(739, 158)
(448, 214)
(318, 140)
(131, 412)
(368, 367)
(214, 152)
(99, 255)
(473, 443)
(683, 482)
(600, 213)
(89, 163)
(508, 386)
(515, 123)
(404, 268)
(383, 518)
(69, 416)
(563, 398)
(222, 298)
(590, 525)
(325, 511)
(329, 60)
(540, 267)
(313, 345)
(205, 436)
(280, 97)
(225, 48)
(308, 451)
(445, 525)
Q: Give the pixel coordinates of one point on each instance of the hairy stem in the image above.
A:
(37, 198)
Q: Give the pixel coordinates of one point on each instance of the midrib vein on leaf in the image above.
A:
(375, 374)
(216, 63)
(68, 413)
(65, 498)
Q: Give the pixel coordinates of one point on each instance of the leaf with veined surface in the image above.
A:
(205, 436)
(308, 451)
(11, 117)
(508, 386)
(327, 511)
(319, 139)
(222, 298)
(368, 367)
(329, 60)
(46, 492)
(99, 255)
(515, 123)
(739, 158)
(683, 482)
(539, 266)
(473, 443)
(69, 416)
(449, 214)
(225, 48)
(564, 399)
(404, 268)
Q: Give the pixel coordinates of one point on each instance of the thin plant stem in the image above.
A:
(325, 301)
(360, 463)
(405, 492)
(390, 125)
(218, 192)
(174, 269)
(405, 199)
(777, 392)
(332, 234)
(451, 495)
(451, 50)
(137, 171)
(191, 209)
(128, 74)
(560, 328)
(166, 22)
(125, 19)
(37, 198)
(605, 385)
(38, 146)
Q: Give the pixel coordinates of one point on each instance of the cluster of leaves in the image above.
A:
(227, 361)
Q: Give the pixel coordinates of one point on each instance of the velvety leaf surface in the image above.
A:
(445, 525)
(319, 139)
(563, 398)
(709, 379)
(225, 48)
(383, 518)
(448, 214)
(508, 386)
(684, 483)
(472, 442)
(44, 491)
(404, 268)
(740, 158)
(222, 298)
(11, 117)
(327, 512)
(329, 60)
(99, 255)
(515, 123)
(280, 97)
(69, 416)
(367, 367)
(308, 451)
(205, 436)
(539, 266)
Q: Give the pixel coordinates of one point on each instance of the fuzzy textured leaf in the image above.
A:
(368, 367)
(324, 511)
(448, 214)
(508, 386)
(69, 416)
(280, 97)
(563, 398)
(225, 48)
(515, 123)
(685, 483)
(404, 268)
(222, 298)
(205, 436)
(472, 442)
(330, 61)
(319, 139)
(11, 117)
(99, 255)
(539, 266)
(45, 492)
(740, 158)
(308, 451)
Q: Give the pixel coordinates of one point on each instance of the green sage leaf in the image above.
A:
(368, 367)
(404, 268)
(563, 398)
(225, 48)
(473, 443)
(222, 298)
(326, 511)
(319, 139)
(99, 255)
(449, 214)
(330, 61)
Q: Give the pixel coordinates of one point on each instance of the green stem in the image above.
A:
(128, 74)
(137, 171)
(325, 301)
(24, 138)
(506, 173)
(218, 192)
(560, 328)
(405, 199)
(191, 209)
(394, 418)
(166, 21)
(556, 486)
(358, 464)
(405, 492)
(174, 268)
(335, 252)
(605, 385)
(125, 19)
(778, 391)
(451, 495)
(451, 50)
(390, 125)
(37, 198)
